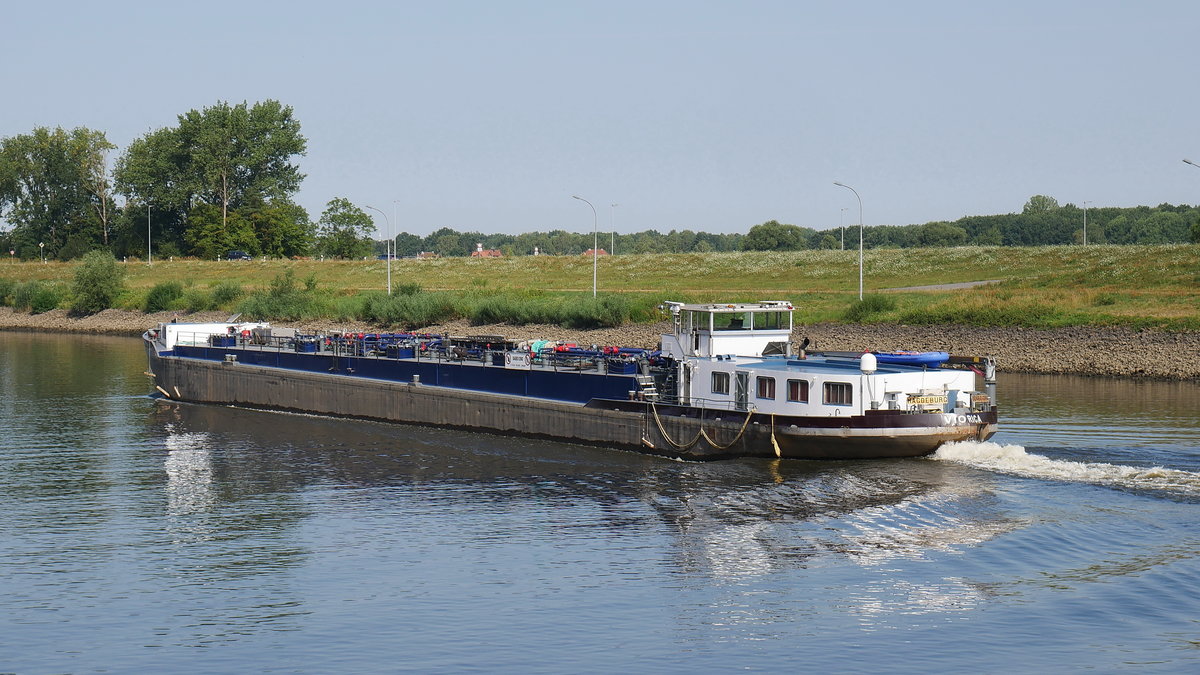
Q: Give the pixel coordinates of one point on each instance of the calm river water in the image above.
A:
(138, 536)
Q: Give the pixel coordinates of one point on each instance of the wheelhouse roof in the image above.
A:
(724, 308)
(819, 364)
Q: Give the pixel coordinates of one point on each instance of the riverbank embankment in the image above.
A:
(1086, 350)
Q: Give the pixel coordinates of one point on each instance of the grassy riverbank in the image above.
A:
(1045, 287)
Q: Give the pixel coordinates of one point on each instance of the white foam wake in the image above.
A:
(1012, 459)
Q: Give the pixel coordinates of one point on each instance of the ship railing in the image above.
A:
(482, 349)
(706, 405)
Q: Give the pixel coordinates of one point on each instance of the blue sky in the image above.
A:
(711, 116)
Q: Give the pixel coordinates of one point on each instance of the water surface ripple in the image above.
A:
(177, 538)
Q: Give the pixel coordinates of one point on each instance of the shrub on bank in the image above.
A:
(869, 308)
(407, 311)
(569, 311)
(37, 296)
(226, 292)
(98, 282)
(161, 297)
(6, 289)
(286, 301)
(195, 300)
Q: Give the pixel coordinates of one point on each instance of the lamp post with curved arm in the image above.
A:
(595, 240)
(389, 262)
(860, 237)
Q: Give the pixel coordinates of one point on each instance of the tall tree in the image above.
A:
(54, 187)
(228, 156)
(344, 230)
(1040, 204)
(775, 236)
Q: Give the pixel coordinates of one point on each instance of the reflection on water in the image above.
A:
(189, 473)
(730, 519)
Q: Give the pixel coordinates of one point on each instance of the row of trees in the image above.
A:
(449, 242)
(224, 177)
(1042, 222)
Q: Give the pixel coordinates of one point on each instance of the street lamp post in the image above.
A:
(612, 247)
(392, 235)
(389, 262)
(149, 257)
(595, 240)
(842, 226)
(860, 237)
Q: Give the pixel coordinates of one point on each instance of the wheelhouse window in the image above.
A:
(720, 383)
(730, 321)
(797, 391)
(766, 387)
(839, 393)
(770, 320)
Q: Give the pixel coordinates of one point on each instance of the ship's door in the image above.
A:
(741, 386)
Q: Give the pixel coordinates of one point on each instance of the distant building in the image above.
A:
(599, 252)
(427, 255)
(481, 252)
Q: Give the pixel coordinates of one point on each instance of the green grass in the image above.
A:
(1137, 286)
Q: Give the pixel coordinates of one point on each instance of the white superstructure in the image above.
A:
(739, 357)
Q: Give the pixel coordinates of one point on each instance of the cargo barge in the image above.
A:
(726, 382)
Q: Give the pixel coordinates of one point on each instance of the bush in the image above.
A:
(285, 301)
(408, 311)
(869, 308)
(226, 292)
(160, 297)
(6, 290)
(195, 300)
(606, 311)
(98, 282)
(37, 296)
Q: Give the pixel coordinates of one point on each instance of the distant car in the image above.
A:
(238, 255)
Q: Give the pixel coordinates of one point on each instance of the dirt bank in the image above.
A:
(1076, 351)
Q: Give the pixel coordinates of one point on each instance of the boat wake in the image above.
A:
(1013, 460)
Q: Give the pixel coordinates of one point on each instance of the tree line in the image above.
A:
(1041, 222)
(224, 178)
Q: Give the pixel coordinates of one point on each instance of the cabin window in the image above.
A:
(838, 393)
(766, 387)
(730, 321)
(798, 391)
(769, 320)
(720, 383)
